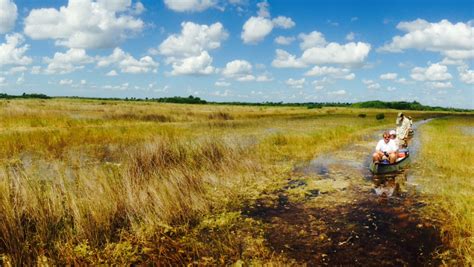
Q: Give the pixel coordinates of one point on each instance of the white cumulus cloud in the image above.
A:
(282, 40)
(36, 70)
(192, 45)
(263, 9)
(334, 53)
(389, 76)
(297, 84)
(284, 59)
(451, 40)
(70, 61)
(255, 29)
(264, 78)
(238, 69)
(350, 36)
(338, 73)
(283, 22)
(222, 84)
(13, 51)
(242, 71)
(195, 65)
(440, 85)
(112, 73)
(317, 51)
(189, 5)
(8, 15)
(193, 40)
(435, 72)
(313, 39)
(65, 82)
(17, 69)
(371, 84)
(466, 75)
(127, 63)
(84, 23)
(338, 92)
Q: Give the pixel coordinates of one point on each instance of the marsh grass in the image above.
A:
(446, 174)
(91, 182)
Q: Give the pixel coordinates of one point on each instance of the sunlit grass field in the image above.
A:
(446, 175)
(114, 182)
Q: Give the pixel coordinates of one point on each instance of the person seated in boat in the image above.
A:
(393, 137)
(385, 149)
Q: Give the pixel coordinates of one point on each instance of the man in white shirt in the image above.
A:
(386, 148)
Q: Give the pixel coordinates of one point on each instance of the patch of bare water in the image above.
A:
(467, 130)
(415, 146)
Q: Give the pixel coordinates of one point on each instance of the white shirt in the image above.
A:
(389, 147)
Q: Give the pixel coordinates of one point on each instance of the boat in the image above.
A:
(385, 167)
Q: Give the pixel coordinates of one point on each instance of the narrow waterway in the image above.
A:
(333, 211)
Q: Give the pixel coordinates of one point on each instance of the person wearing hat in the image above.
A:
(393, 137)
(385, 149)
(403, 127)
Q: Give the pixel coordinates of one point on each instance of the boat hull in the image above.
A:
(388, 168)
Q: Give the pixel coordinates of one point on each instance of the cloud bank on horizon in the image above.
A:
(240, 50)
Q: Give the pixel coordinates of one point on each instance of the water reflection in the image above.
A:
(390, 185)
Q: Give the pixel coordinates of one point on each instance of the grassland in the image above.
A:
(90, 182)
(446, 178)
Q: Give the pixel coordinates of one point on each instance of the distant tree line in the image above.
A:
(401, 105)
(177, 99)
(24, 95)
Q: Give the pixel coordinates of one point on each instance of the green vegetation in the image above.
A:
(446, 178)
(376, 104)
(24, 96)
(380, 116)
(90, 182)
(403, 105)
(180, 100)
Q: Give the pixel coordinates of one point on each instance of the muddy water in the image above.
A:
(334, 212)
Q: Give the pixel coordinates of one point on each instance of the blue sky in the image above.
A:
(241, 50)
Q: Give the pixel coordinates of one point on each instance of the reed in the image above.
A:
(113, 182)
(446, 173)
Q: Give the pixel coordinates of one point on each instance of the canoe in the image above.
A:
(382, 168)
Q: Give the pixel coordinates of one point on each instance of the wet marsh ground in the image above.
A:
(334, 212)
(113, 182)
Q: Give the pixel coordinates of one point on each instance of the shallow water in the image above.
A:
(348, 215)
(467, 130)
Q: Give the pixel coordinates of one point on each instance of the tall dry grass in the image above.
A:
(162, 183)
(91, 182)
(446, 171)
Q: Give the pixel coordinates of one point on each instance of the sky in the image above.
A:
(241, 50)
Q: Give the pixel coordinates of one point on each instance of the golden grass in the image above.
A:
(90, 182)
(446, 173)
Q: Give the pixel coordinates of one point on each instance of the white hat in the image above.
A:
(393, 132)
